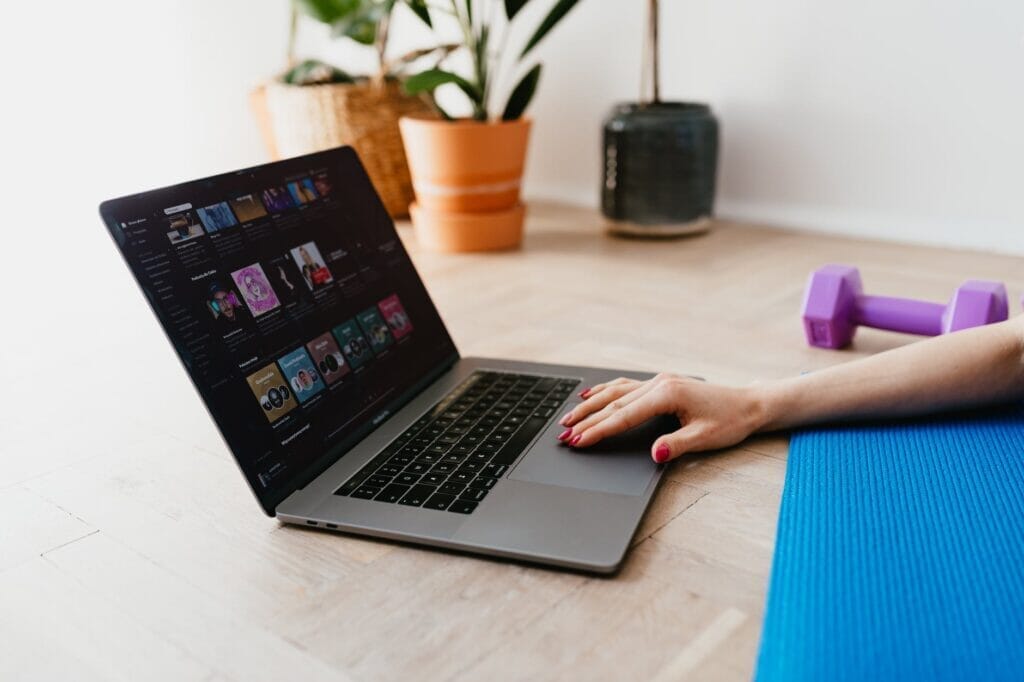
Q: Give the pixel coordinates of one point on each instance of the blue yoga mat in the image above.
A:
(900, 553)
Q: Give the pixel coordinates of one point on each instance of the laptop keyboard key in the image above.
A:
(517, 444)
(452, 488)
(365, 492)
(433, 479)
(378, 481)
(439, 501)
(392, 493)
(417, 495)
(494, 470)
(407, 478)
(461, 506)
(473, 494)
(485, 482)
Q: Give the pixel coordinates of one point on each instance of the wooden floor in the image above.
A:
(131, 549)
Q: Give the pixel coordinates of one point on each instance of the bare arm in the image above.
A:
(968, 368)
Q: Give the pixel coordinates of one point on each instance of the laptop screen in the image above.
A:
(293, 305)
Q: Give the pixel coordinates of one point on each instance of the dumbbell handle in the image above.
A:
(899, 314)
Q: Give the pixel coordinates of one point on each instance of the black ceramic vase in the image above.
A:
(660, 161)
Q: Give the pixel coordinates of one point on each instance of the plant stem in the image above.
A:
(479, 110)
(655, 75)
(381, 43)
(293, 29)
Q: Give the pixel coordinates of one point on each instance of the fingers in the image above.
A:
(620, 416)
(690, 438)
(597, 397)
(613, 404)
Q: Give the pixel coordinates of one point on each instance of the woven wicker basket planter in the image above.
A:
(298, 120)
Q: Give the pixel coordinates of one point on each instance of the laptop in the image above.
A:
(300, 319)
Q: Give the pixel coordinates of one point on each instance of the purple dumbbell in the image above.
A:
(834, 306)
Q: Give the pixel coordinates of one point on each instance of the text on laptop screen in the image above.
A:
(292, 303)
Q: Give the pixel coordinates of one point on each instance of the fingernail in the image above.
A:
(565, 434)
(576, 439)
(661, 454)
(584, 392)
(564, 421)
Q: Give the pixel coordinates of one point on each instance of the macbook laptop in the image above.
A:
(289, 298)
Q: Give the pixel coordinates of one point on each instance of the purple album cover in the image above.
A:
(255, 289)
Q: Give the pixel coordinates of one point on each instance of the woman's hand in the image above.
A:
(712, 416)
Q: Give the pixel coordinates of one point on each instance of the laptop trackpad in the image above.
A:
(620, 465)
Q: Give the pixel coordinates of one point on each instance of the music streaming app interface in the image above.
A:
(290, 300)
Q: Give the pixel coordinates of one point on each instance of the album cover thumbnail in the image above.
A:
(285, 279)
(302, 191)
(353, 344)
(302, 374)
(222, 302)
(327, 357)
(256, 289)
(247, 207)
(272, 391)
(395, 315)
(311, 264)
(183, 227)
(277, 199)
(375, 328)
(217, 217)
(322, 184)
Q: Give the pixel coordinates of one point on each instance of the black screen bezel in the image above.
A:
(341, 157)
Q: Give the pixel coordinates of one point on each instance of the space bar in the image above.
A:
(519, 440)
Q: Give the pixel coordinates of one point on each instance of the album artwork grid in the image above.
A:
(256, 289)
(299, 375)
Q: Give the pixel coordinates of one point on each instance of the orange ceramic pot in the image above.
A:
(466, 176)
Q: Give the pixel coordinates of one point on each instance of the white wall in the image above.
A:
(896, 119)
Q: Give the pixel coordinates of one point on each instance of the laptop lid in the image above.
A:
(292, 304)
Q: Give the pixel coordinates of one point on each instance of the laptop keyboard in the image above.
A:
(454, 454)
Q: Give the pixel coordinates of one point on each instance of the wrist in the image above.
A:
(764, 399)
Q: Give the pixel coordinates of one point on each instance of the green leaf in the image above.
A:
(521, 95)
(512, 7)
(315, 72)
(328, 11)
(556, 14)
(361, 25)
(430, 80)
(419, 7)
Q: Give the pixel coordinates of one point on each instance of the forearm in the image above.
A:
(971, 367)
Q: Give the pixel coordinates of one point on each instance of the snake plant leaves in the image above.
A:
(512, 7)
(521, 95)
(329, 11)
(419, 8)
(556, 14)
(361, 25)
(430, 80)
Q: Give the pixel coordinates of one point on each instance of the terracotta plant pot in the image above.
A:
(466, 176)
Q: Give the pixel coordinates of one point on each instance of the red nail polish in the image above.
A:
(565, 434)
(576, 439)
(661, 454)
(584, 392)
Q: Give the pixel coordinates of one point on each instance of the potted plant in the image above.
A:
(660, 160)
(314, 105)
(467, 171)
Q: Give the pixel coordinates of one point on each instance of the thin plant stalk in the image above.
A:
(652, 74)
(293, 29)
